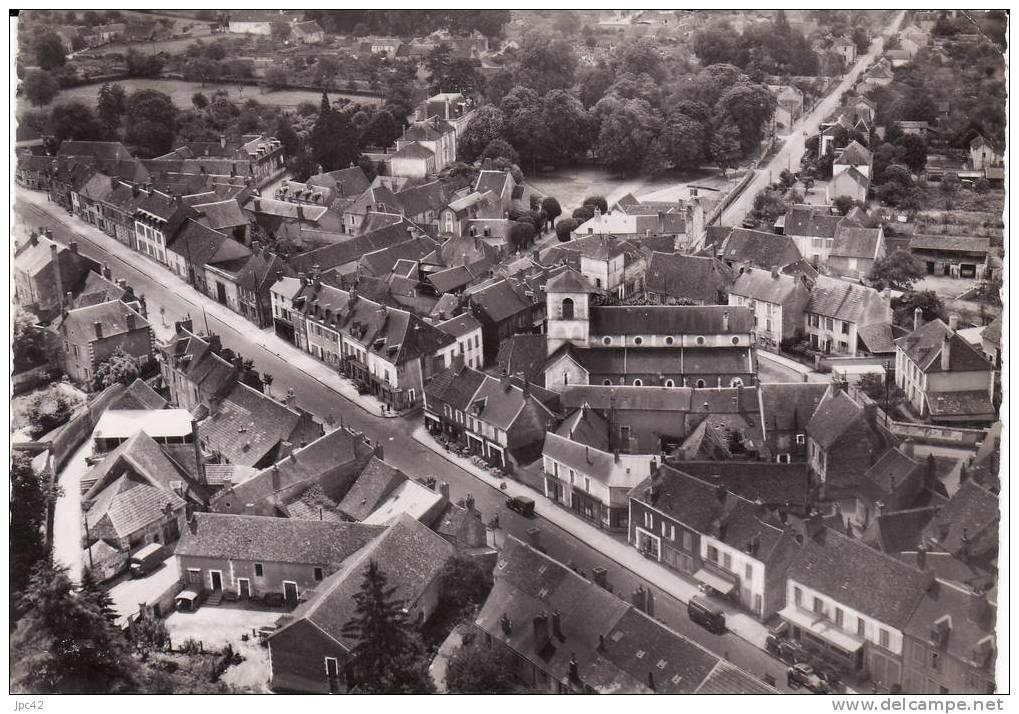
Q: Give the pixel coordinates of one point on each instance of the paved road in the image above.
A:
(788, 157)
(162, 289)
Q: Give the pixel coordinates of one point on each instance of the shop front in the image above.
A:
(823, 638)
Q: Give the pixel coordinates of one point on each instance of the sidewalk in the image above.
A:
(737, 621)
(785, 362)
(267, 340)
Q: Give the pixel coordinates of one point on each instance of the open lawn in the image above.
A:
(181, 93)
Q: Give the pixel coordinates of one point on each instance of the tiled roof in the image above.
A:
(128, 504)
(835, 415)
(811, 221)
(670, 320)
(342, 182)
(924, 346)
(774, 484)
(79, 324)
(657, 360)
(976, 404)
(893, 474)
(971, 634)
(855, 155)
(569, 281)
(376, 482)
(526, 354)
(877, 337)
(246, 426)
(494, 181)
(789, 407)
(687, 276)
(498, 301)
(349, 250)
(201, 245)
(221, 214)
(266, 539)
(138, 395)
(763, 285)
(900, 531)
(694, 502)
(460, 326)
(417, 200)
(852, 242)
(408, 553)
(413, 150)
(843, 300)
(455, 387)
(859, 577)
(957, 244)
(759, 248)
(108, 150)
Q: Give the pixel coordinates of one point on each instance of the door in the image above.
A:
(244, 588)
(333, 675)
(217, 579)
(290, 592)
(930, 267)
(221, 292)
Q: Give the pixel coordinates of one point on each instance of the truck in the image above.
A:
(146, 559)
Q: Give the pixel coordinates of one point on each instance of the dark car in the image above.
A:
(706, 614)
(803, 675)
(749, 223)
(521, 504)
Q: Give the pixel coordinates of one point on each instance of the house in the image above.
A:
(743, 248)
(944, 377)
(32, 171)
(307, 33)
(786, 409)
(435, 135)
(950, 643)
(966, 528)
(255, 22)
(663, 345)
(460, 215)
(139, 395)
(391, 351)
(613, 266)
(503, 309)
(502, 420)
(838, 311)
(376, 199)
(119, 208)
(891, 485)
(788, 106)
(451, 107)
(413, 160)
(45, 272)
(157, 220)
(777, 301)
(258, 555)
(953, 255)
(847, 49)
(136, 495)
(675, 278)
(856, 250)
(167, 427)
(310, 652)
(93, 333)
(194, 368)
(684, 221)
(524, 355)
(225, 217)
(468, 333)
(421, 204)
(812, 230)
(850, 182)
(854, 155)
(275, 217)
(195, 248)
(370, 490)
(983, 154)
(990, 342)
(850, 604)
(843, 442)
(568, 634)
(243, 283)
(248, 428)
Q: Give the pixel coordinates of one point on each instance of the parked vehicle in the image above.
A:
(803, 675)
(146, 559)
(522, 505)
(704, 613)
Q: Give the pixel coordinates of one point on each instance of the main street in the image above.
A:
(171, 299)
(789, 155)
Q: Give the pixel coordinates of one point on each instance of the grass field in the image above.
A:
(181, 93)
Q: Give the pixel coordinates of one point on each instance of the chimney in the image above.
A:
(946, 352)
(73, 245)
(921, 556)
(291, 399)
(870, 414)
(303, 278)
(953, 322)
(917, 318)
(541, 636)
(106, 271)
(534, 537)
(258, 205)
(504, 379)
(601, 643)
(99, 330)
(33, 239)
(276, 477)
(557, 625)
(129, 320)
(68, 298)
(444, 490)
(197, 444)
(651, 680)
(469, 503)
(774, 272)
(507, 624)
(600, 576)
(300, 212)
(725, 321)
(978, 606)
(58, 280)
(574, 668)
(222, 141)
(639, 598)
(256, 247)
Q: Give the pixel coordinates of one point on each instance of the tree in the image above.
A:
(914, 152)
(118, 368)
(287, 136)
(74, 121)
(276, 77)
(139, 65)
(29, 503)
(725, 144)
(545, 63)
(39, 87)
(899, 174)
(151, 122)
(463, 584)
(498, 85)
(717, 44)
(476, 669)
(522, 110)
(982, 185)
(387, 657)
(583, 214)
(488, 124)
(382, 129)
(199, 101)
(768, 206)
(565, 227)
(49, 409)
(931, 306)
(500, 149)
(202, 69)
(110, 107)
(598, 202)
(751, 106)
(334, 139)
(326, 69)
(521, 234)
(49, 50)
(29, 341)
(91, 589)
(640, 56)
(64, 644)
(626, 138)
(844, 204)
(593, 83)
(898, 270)
(568, 128)
(551, 208)
(685, 140)
(280, 31)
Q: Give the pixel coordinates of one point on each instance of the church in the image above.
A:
(645, 345)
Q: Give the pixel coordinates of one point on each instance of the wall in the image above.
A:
(850, 616)
(297, 659)
(271, 582)
(749, 589)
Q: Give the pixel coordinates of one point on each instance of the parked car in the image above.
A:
(522, 505)
(707, 615)
(803, 675)
(146, 559)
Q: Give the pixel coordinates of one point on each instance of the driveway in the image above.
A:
(67, 516)
(129, 592)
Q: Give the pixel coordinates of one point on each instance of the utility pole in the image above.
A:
(888, 366)
(88, 539)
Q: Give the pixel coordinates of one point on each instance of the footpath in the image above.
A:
(737, 621)
(162, 276)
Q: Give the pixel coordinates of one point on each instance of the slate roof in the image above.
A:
(789, 407)
(526, 354)
(759, 248)
(855, 154)
(459, 326)
(413, 150)
(98, 289)
(455, 387)
(221, 214)
(687, 276)
(951, 244)
(138, 395)
(657, 360)
(774, 484)
(900, 531)
(200, 245)
(670, 320)
(498, 301)
(966, 632)
(847, 301)
(694, 502)
(342, 182)
(924, 345)
(107, 150)
(129, 504)
(417, 200)
(877, 337)
(408, 553)
(764, 286)
(372, 487)
(79, 324)
(802, 220)
(893, 474)
(836, 416)
(569, 281)
(853, 242)
(861, 578)
(266, 539)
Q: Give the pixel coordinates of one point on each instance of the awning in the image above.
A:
(822, 627)
(186, 595)
(717, 582)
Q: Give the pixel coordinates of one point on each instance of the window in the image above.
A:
(669, 383)
(672, 532)
(670, 340)
(861, 627)
(638, 383)
(258, 570)
(845, 328)
(818, 606)
(587, 484)
(712, 554)
(727, 561)
(606, 341)
(567, 312)
(736, 382)
(638, 340)
(648, 520)
(700, 340)
(829, 324)
(797, 595)
(687, 540)
(801, 438)
(749, 572)
(839, 616)
(935, 659)
(700, 384)
(318, 574)
(918, 652)
(883, 637)
(735, 340)
(607, 382)
(783, 459)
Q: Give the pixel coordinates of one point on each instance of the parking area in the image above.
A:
(128, 592)
(215, 627)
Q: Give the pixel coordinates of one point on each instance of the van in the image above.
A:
(708, 616)
(147, 559)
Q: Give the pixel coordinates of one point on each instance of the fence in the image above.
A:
(730, 197)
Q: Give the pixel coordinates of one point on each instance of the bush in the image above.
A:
(49, 409)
